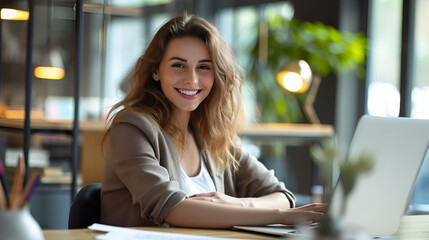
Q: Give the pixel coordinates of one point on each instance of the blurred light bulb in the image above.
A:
(295, 77)
(292, 82)
(12, 14)
(52, 73)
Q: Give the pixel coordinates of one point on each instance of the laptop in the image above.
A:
(381, 197)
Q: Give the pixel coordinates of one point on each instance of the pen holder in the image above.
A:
(19, 224)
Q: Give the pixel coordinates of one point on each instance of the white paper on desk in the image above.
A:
(115, 233)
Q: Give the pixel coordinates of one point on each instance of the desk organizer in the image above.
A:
(19, 225)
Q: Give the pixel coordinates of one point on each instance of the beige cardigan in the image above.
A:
(142, 179)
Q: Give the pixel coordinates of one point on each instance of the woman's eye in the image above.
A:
(204, 67)
(178, 65)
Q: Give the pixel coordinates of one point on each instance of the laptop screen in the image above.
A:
(380, 197)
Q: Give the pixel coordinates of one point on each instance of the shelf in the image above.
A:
(287, 130)
(52, 125)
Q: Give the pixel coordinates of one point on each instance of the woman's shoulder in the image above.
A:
(139, 119)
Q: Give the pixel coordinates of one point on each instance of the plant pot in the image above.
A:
(19, 225)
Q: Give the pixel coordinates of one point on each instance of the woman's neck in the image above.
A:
(182, 121)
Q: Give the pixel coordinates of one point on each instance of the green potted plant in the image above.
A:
(327, 156)
(323, 47)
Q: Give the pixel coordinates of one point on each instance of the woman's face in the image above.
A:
(186, 73)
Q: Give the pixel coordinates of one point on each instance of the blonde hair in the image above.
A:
(217, 118)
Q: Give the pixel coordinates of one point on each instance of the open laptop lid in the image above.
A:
(380, 198)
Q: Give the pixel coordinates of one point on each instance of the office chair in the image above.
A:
(85, 208)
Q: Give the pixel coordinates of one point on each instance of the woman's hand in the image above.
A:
(305, 214)
(300, 215)
(316, 207)
(217, 197)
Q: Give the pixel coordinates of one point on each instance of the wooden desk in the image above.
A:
(411, 227)
(414, 227)
(86, 234)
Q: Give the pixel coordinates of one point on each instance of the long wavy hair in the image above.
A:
(218, 118)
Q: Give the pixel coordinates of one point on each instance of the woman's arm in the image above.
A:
(202, 214)
(276, 200)
(255, 182)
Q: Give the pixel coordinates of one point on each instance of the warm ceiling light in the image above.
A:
(50, 65)
(13, 14)
(52, 73)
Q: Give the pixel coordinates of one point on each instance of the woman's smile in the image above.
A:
(188, 92)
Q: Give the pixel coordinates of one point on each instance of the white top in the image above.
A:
(202, 183)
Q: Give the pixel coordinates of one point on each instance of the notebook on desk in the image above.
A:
(381, 197)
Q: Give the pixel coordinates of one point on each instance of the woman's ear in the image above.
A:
(155, 75)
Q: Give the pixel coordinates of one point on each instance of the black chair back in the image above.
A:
(85, 208)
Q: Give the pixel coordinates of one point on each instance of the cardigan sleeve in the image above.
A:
(138, 189)
(253, 179)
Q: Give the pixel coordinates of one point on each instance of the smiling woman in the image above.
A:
(172, 150)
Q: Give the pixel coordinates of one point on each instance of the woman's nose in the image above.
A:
(191, 77)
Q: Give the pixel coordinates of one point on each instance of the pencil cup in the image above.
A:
(19, 225)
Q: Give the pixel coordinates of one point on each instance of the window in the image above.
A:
(239, 27)
(384, 66)
(384, 58)
(420, 95)
(228, 22)
(420, 84)
(125, 43)
(127, 38)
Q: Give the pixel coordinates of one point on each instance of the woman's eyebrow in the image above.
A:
(177, 58)
(184, 60)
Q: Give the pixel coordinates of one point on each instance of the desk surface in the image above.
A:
(411, 227)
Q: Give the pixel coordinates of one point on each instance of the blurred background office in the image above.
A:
(372, 58)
